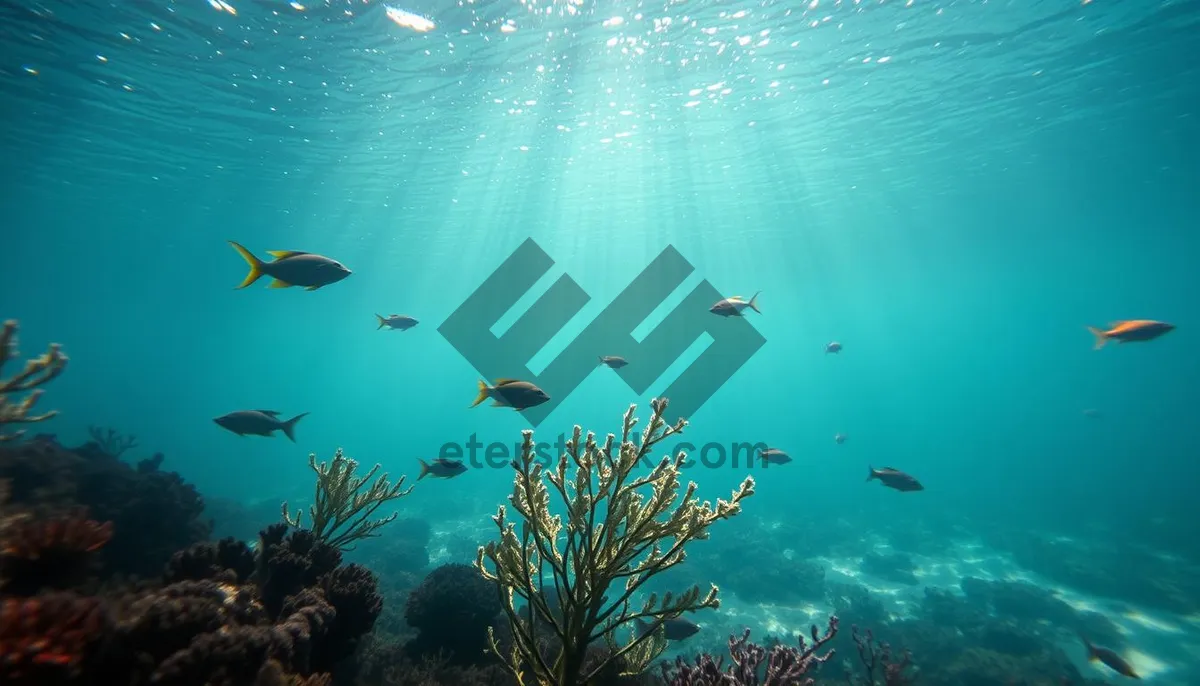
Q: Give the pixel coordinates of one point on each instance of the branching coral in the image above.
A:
(878, 663)
(754, 665)
(615, 533)
(112, 442)
(37, 372)
(340, 513)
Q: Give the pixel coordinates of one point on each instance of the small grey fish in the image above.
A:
(519, 395)
(613, 361)
(259, 423)
(292, 268)
(774, 456)
(441, 468)
(839, 438)
(733, 306)
(894, 478)
(401, 322)
(833, 347)
(676, 629)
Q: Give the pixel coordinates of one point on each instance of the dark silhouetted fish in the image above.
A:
(839, 438)
(733, 306)
(1109, 659)
(613, 361)
(259, 423)
(676, 629)
(519, 395)
(401, 322)
(774, 456)
(292, 268)
(833, 347)
(441, 468)
(894, 478)
(1132, 331)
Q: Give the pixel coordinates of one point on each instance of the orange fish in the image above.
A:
(1131, 331)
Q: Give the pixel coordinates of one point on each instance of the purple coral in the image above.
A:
(754, 665)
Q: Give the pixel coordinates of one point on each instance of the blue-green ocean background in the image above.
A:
(952, 190)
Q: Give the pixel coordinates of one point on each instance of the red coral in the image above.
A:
(46, 638)
(32, 539)
(49, 553)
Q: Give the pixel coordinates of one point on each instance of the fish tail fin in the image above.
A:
(871, 473)
(753, 304)
(382, 322)
(601, 358)
(1091, 649)
(424, 468)
(483, 393)
(289, 427)
(1101, 337)
(256, 265)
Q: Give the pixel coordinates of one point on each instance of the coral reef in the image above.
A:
(389, 664)
(228, 559)
(36, 373)
(452, 610)
(49, 553)
(341, 510)
(614, 531)
(878, 664)
(222, 616)
(47, 639)
(153, 513)
(752, 664)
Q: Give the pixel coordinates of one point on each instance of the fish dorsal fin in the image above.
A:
(887, 469)
(393, 316)
(447, 462)
(284, 254)
(505, 382)
(272, 413)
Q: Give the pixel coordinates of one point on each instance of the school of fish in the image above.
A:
(312, 271)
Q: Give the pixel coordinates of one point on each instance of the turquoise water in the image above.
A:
(952, 190)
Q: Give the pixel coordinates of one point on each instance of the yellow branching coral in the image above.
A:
(341, 514)
(37, 372)
(619, 531)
